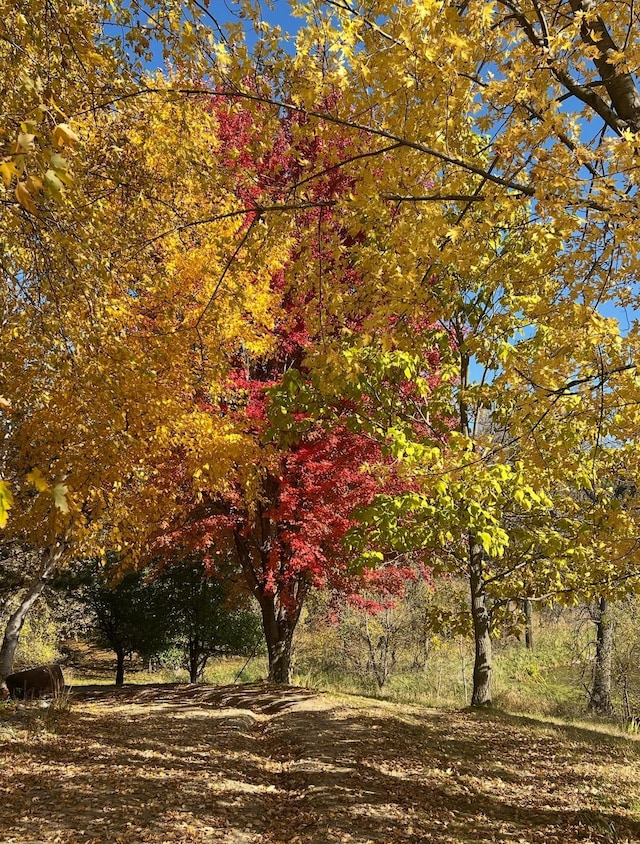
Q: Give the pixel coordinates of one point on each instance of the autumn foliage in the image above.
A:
(383, 273)
(287, 518)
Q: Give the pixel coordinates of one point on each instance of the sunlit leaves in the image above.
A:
(6, 502)
(60, 497)
(38, 480)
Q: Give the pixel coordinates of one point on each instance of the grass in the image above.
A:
(544, 684)
(87, 664)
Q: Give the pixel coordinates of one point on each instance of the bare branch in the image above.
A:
(600, 377)
(434, 197)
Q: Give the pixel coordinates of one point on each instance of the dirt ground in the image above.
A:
(253, 764)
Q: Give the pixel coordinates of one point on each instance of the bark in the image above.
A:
(600, 699)
(620, 86)
(197, 660)
(120, 655)
(481, 695)
(50, 559)
(528, 632)
(278, 630)
(280, 610)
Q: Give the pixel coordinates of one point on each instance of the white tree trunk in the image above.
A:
(50, 559)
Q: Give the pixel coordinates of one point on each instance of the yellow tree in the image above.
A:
(498, 193)
(117, 300)
(494, 188)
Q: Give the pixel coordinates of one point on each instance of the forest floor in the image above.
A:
(252, 764)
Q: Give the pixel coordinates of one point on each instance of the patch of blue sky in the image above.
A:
(218, 15)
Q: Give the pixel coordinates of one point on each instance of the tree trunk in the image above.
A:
(481, 695)
(50, 559)
(279, 636)
(193, 661)
(528, 632)
(120, 655)
(278, 623)
(600, 699)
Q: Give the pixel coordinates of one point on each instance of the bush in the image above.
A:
(38, 639)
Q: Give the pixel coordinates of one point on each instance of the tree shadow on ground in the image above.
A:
(263, 698)
(177, 764)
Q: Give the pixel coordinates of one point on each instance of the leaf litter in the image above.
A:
(169, 764)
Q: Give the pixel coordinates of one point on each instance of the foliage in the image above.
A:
(287, 520)
(414, 226)
(40, 639)
(130, 612)
(204, 619)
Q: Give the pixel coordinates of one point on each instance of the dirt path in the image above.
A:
(258, 764)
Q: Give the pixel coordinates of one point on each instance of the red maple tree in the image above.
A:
(290, 537)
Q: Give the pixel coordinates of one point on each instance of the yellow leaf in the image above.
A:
(25, 142)
(6, 502)
(34, 184)
(60, 497)
(485, 539)
(8, 170)
(36, 478)
(63, 135)
(24, 197)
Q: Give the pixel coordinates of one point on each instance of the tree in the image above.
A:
(600, 696)
(110, 319)
(472, 164)
(205, 617)
(130, 611)
(286, 515)
(427, 225)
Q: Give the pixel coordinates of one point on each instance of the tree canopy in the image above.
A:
(405, 188)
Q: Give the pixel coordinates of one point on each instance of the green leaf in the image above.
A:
(53, 183)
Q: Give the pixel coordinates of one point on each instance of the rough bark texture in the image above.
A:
(278, 630)
(620, 86)
(197, 660)
(49, 561)
(528, 632)
(600, 699)
(280, 609)
(481, 695)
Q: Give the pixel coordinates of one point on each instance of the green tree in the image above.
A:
(205, 616)
(130, 612)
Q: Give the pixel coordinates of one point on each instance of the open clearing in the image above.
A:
(256, 764)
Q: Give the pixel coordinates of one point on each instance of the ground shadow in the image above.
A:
(174, 764)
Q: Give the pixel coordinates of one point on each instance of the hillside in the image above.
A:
(256, 764)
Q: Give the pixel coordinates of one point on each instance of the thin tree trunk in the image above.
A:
(193, 660)
(463, 669)
(528, 632)
(481, 695)
(120, 655)
(278, 623)
(600, 699)
(50, 559)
